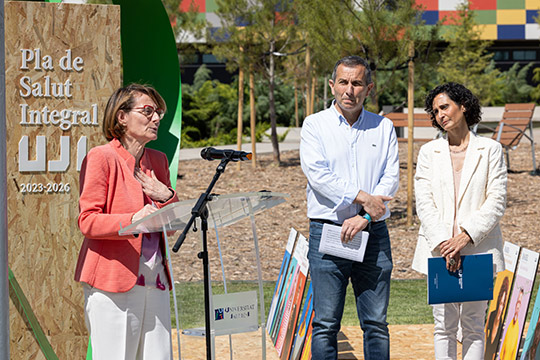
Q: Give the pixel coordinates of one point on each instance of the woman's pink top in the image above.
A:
(109, 196)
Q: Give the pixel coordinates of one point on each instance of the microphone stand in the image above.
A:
(201, 211)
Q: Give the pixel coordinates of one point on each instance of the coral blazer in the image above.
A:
(481, 199)
(109, 196)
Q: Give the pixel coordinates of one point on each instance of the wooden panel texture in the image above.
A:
(62, 57)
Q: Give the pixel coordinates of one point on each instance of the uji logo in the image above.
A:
(41, 164)
(220, 314)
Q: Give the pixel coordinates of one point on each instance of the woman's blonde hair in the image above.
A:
(123, 99)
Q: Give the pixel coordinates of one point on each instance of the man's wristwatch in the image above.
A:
(365, 215)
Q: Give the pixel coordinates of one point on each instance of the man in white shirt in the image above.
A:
(350, 158)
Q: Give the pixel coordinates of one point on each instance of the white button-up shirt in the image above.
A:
(339, 160)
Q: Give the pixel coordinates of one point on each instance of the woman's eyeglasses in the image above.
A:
(149, 110)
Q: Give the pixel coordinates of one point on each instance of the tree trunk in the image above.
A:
(240, 118)
(313, 88)
(410, 137)
(374, 95)
(272, 105)
(304, 100)
(325, 92)
(252, 118)
(308, 82)
(296, 121)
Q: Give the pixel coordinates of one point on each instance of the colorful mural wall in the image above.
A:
(498, 19)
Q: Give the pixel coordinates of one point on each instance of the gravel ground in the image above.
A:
(520, 224)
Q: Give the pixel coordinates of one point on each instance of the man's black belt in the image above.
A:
(324, 221)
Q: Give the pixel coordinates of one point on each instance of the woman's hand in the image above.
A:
(453, 263)
(152, 187)
(145, 211)
(451, 250)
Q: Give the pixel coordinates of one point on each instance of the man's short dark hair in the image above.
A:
(461, 96)
(353, 61)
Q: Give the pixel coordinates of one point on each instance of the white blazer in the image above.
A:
(481, 199)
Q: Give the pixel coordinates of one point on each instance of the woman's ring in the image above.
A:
(452, 261)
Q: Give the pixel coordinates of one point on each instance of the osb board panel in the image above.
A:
(44, 239)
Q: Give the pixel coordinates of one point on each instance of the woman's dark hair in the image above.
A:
(504, 289)
(461, 96)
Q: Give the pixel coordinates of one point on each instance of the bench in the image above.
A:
(514, 125)
(401, 120)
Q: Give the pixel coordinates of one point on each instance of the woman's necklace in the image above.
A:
(460, 150)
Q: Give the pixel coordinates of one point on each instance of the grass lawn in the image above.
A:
(408, 304)
(408, 301)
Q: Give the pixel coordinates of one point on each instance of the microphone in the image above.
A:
(210, 153)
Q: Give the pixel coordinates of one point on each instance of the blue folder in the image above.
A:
(472, 282)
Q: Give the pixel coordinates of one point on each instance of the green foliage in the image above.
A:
(253, 31)
(380, 31)
(220, 139)
(208, 106)
(535, 93)
(185, 24)
(209, 110)
(259, 34)
(284, 103)
(467, 61)
(515, 88)
(260, 130)
(327, 27)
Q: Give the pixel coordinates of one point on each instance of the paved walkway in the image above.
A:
(292, 142)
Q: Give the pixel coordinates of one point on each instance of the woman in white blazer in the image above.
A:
(460, 187)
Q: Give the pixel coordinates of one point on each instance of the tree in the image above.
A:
(257, 35)
(535, 93)
(515, 88)
(208, 107)
(380, 31)
(466, 59)
(186, 25)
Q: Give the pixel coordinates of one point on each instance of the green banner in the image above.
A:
(150, 57)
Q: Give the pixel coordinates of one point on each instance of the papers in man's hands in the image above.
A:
(331, 243)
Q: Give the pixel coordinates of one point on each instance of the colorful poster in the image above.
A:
(497, 308)
(519, 303)
(283, 297)
(281, 277)
(292, 310)
(510, 253)
(531, 347)
(496, 313)
(306, 351)
(301, 331)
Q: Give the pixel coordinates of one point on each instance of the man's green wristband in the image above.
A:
(367, 217)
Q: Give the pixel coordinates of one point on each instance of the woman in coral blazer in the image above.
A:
(126, 280)
(460, 187)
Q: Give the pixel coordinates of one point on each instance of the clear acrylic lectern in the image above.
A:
(223, 210)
